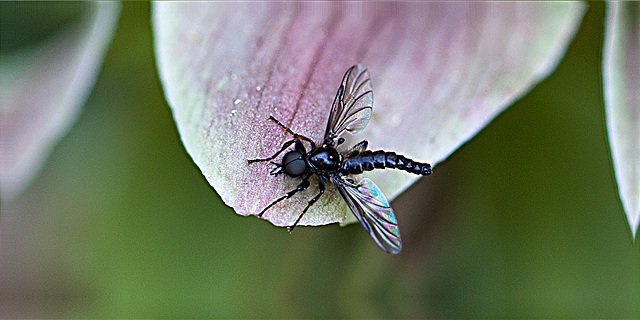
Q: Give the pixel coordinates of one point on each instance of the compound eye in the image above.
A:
(293, 163)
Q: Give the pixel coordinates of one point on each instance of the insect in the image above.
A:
(350, 113)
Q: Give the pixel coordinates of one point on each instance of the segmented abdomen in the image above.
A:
(380, 159)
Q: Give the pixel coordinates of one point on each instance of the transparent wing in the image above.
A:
(351, 107)
(372, 209)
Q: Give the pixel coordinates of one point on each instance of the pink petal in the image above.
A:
(42, 89)
(440, 72)
(621, 70)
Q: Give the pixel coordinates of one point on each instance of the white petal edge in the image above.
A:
(621, 71)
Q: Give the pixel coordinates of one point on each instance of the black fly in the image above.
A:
(350, 112)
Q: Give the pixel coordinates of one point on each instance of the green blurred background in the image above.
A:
(522, 221)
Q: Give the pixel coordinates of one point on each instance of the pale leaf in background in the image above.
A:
(42, 89)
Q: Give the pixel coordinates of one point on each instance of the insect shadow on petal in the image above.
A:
(350, 113)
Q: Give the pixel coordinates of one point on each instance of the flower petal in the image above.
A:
(42, 88)
(440, 72)
(621, 70)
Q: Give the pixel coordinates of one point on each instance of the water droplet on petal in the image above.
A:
(258, 88)
(232, 115)
(237, 101)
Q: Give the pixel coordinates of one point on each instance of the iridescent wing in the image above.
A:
(351, 107)
(372, 209)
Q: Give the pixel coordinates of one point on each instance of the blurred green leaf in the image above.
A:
(440, 72)
(621, 71)
(51, 56)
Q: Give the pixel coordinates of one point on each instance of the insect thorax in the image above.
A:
(325, 159)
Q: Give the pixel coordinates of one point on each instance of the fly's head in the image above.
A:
(294, 164)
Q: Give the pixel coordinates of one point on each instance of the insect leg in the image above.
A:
(284, 147)
(311, 202)
(303, 185)
(360, 147)
(295, 135)
(277, 170)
